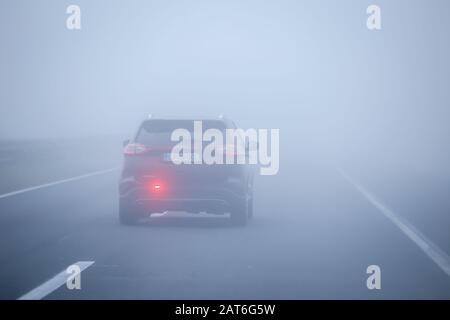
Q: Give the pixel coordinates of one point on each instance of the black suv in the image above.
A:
(152, 183)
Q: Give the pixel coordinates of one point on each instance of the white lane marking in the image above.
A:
(13, 193)
(54, 283)
(436, 254)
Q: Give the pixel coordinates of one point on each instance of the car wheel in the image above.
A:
(239, 216)
(250, 201)
(128, 215)
(250, 207)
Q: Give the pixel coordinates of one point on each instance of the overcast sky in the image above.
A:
(310, 68)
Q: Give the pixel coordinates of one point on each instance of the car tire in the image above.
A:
(239, 216)
(250, 201)
(128, 215)
(250, 207)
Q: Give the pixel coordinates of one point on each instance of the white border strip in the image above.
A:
(13, 193)
(54, 283)
(436, 254)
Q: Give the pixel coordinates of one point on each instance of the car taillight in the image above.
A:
(134, 148)
(156, 186)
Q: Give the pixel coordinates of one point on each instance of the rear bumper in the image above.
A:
(188, 205)
(211, 198)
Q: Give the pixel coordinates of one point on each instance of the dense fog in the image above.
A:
(374, 103)
(309, 65)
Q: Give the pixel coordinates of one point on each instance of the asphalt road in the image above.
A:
(313, 236)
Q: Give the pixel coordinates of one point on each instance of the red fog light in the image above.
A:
(156, 186)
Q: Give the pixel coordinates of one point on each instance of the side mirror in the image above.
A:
(125, 142)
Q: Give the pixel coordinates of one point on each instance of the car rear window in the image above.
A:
(158, 132)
